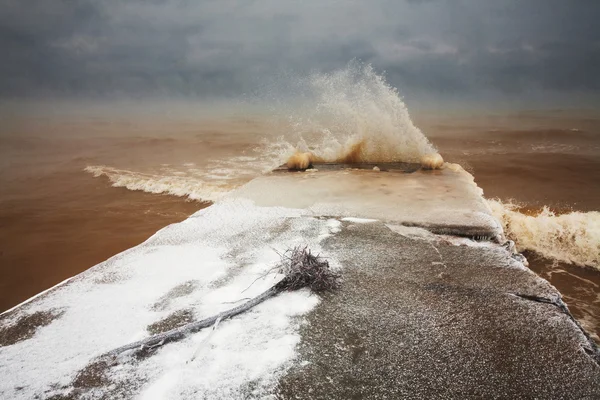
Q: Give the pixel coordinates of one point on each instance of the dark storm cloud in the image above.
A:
(202, 48)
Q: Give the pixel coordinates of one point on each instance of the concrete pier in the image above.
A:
(431, 320)
(434, 303)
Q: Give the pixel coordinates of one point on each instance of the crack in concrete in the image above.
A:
(592, 350)
(476, 233)
(441, 262)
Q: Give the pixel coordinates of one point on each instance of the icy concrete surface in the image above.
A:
(420, 314)
(445, 201)
(428, 319)
(186, 271)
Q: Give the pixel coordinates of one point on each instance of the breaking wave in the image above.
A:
(350, 115)
(572, 237)
(353, 115)
(181, 186)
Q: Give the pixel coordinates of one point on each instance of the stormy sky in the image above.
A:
(428, 48)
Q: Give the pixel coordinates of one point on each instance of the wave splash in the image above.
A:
(354, 115)
(349, 115)
(160, 183)
(573, 237)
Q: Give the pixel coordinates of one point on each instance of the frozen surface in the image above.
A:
(422, 316)
(193, 269)
(447, 201)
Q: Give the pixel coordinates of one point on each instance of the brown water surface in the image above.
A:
(57, 225)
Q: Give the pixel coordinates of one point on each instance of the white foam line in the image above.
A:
(572, 237)
(359, 220)
(36, 296)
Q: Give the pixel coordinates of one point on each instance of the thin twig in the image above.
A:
(236, 301)
(260, 277)
(205, 341)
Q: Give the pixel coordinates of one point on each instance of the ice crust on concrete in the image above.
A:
(199, 266)
(422, 317)
(446, 201)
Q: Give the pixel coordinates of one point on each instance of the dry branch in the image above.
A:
(300, 268)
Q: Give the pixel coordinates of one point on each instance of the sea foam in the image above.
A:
(353, 115)
(181, 186)
(573, 237)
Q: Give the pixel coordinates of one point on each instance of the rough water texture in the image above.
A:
(357, 117)
(352, 115)
(421, 313)
(573, 237)
(349, 115)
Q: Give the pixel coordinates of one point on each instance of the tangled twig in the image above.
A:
(303, 269)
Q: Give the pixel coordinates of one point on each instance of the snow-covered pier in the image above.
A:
(434, 303)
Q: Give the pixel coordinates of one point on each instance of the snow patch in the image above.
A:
(224, 254)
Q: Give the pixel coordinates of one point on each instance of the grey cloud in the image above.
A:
(209, 48)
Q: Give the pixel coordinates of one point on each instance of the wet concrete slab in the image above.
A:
(427, 319)
(384, 167)
(418, 316)
(443, 201)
